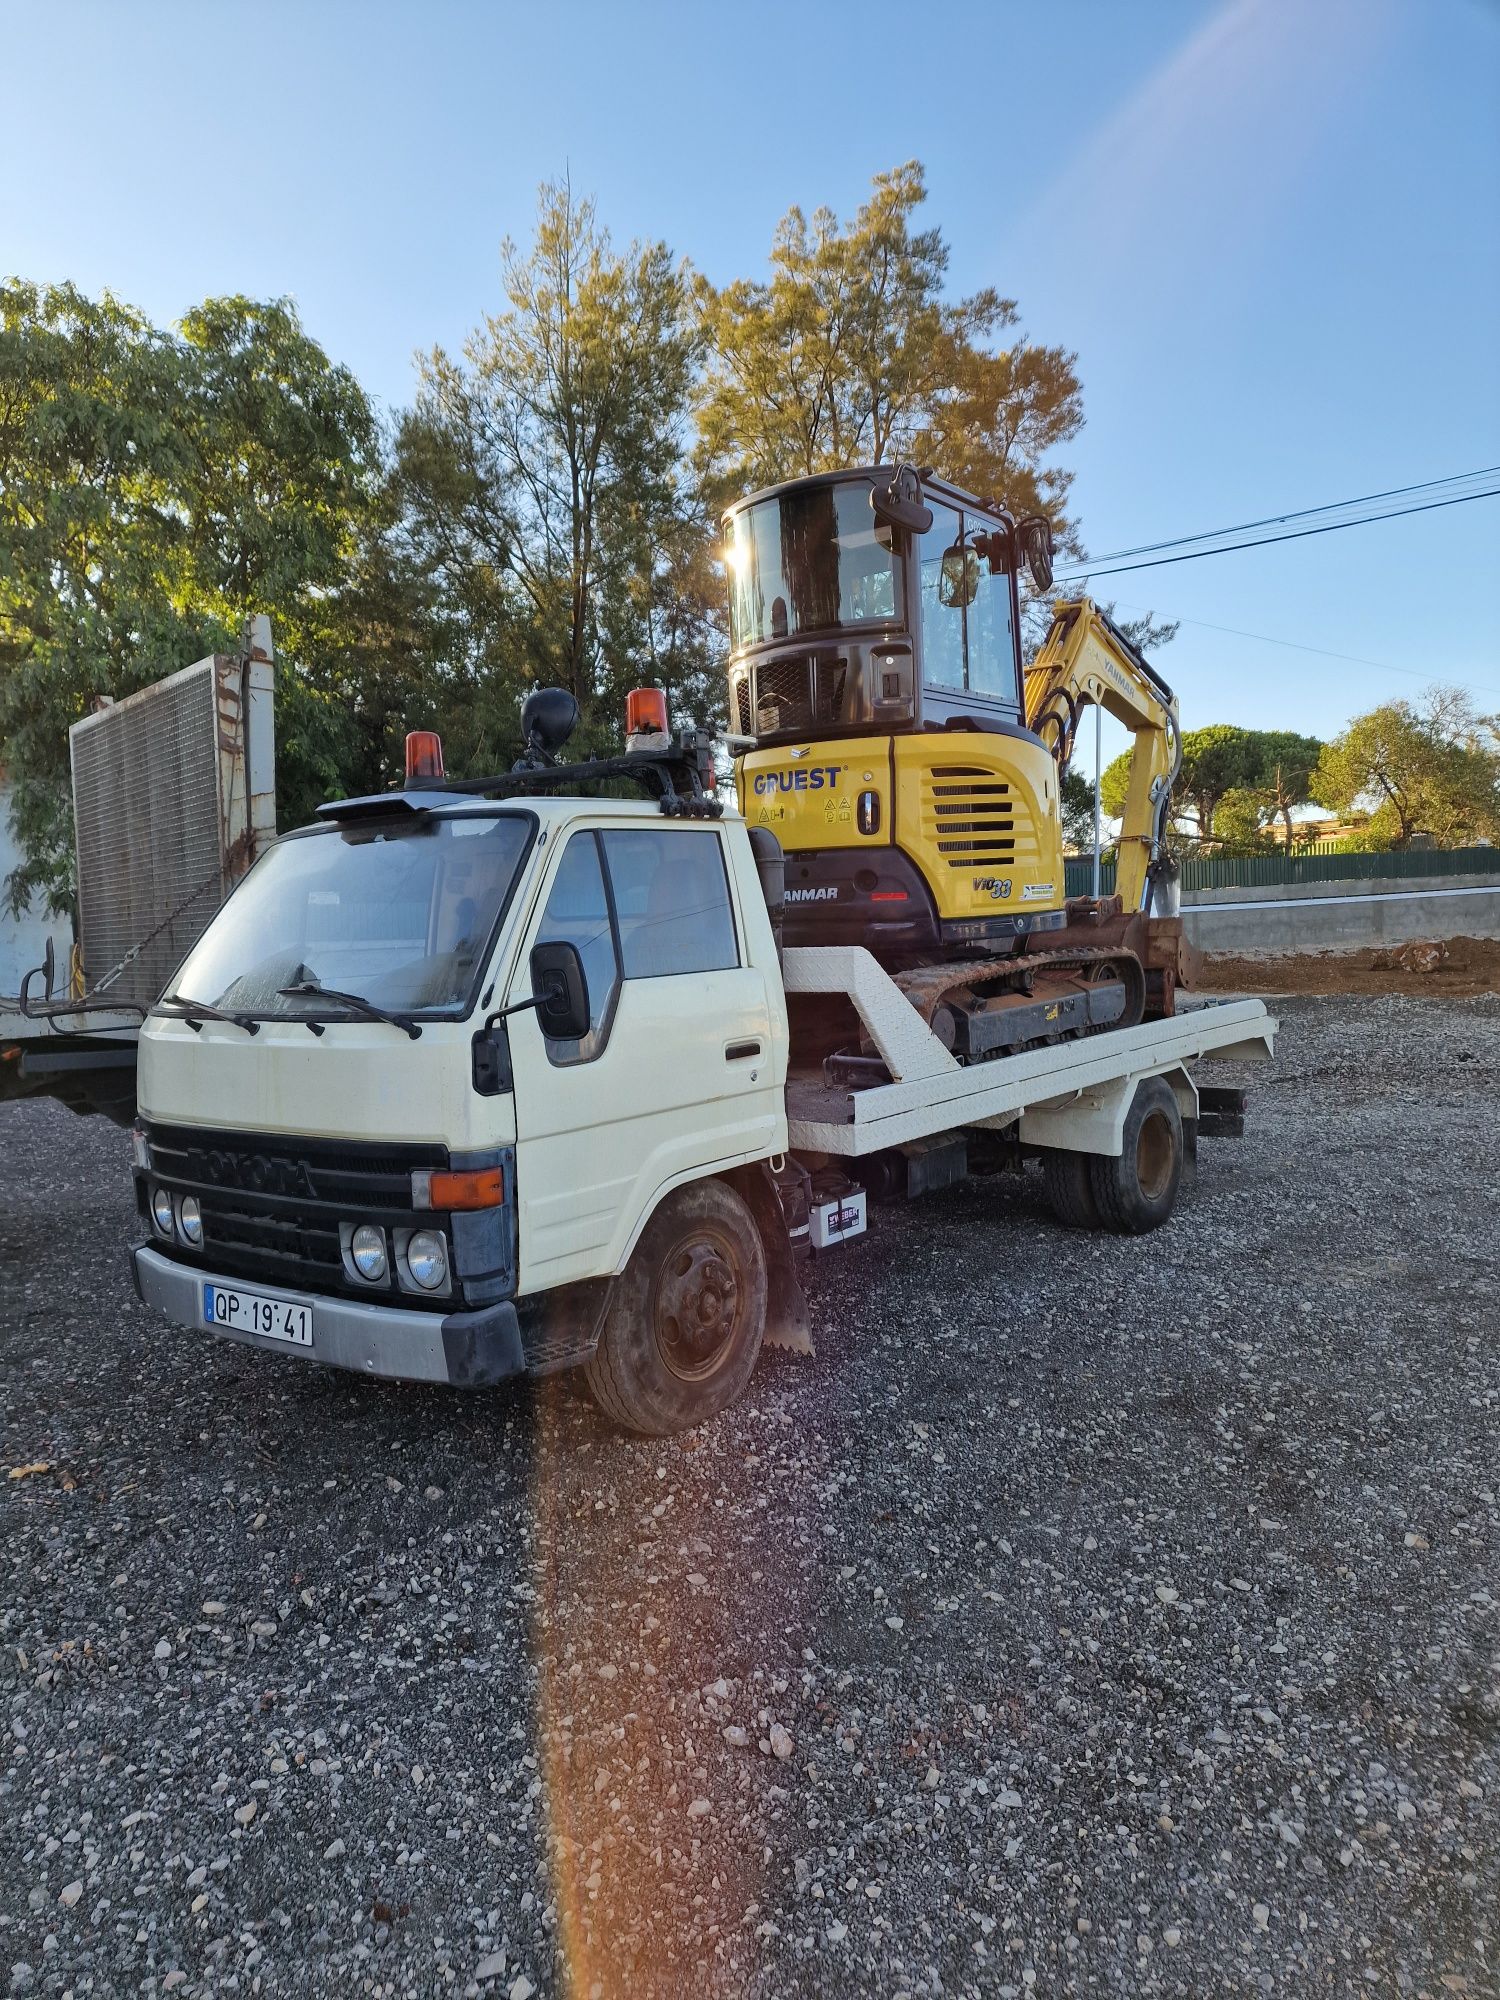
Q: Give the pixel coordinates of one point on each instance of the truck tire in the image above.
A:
(684, 1325)
(1069, 1189)
(1138, 1191)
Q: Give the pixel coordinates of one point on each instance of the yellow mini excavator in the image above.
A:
(911, 769)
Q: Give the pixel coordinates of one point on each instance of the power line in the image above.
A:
(1304, 514)
(1294, 535)
(1324, 652)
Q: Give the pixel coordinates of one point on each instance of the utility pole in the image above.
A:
(1098, 780)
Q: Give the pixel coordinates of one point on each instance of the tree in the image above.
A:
(1288, 762)
(1076, 798)
(155, 488)
(1433, 770)
(1284, 766)
(542, 491)
(1235, 782)
(996, 418)
(1215, 761)
(849, 354)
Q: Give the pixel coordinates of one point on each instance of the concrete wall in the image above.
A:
(1341, 916)
(23, 939)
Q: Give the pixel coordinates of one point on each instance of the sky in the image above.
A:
(1270, 230)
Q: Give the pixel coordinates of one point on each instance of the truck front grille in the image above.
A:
(272, 1206)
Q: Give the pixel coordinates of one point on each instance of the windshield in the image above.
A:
(399, 912)
(806, 561)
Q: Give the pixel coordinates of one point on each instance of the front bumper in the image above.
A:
(468, 1349)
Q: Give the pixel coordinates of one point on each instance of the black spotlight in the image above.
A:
(548, 718)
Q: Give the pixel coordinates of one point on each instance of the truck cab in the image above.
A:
(366, 1136)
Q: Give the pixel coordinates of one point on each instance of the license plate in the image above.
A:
(257, 1312)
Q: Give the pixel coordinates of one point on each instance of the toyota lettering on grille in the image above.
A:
(256, 1172)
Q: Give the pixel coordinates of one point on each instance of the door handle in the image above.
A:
(740, 1051)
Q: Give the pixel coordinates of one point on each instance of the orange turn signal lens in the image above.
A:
(481, 1187)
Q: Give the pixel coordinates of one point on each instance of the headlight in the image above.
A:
(191, 1218)
(427, 1259)
(161, 1213)
(367, 1248)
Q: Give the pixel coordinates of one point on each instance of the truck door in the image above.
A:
(678, 1071)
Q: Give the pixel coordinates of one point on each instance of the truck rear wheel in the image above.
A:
(1070, 1189)
(1138, 1191)
(685, 1323)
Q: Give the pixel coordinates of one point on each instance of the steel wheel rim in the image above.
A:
(1153, 1156)
(695, 1304)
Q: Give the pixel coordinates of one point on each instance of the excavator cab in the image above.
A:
(866, 598)
(875, 669)
(910, 763)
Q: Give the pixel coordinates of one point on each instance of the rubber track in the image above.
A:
(928, 986)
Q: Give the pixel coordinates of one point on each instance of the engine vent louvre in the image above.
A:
(969, 815)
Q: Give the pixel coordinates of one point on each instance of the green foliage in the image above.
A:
(155, 488)
(1432, 770)
(1077, 799)
(1234, 782)
(542, 512)
(849, 354)
(1259, 814)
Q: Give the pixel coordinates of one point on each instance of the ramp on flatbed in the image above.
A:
(1068, 1093)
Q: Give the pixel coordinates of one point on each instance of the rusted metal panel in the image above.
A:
(173, 797)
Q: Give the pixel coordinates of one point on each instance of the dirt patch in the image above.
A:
(1467, 966)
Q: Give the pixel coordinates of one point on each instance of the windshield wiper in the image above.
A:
(309, 989)
(196, 1012)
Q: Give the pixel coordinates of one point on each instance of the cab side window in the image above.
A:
(671, 901)
(992, 635)
(639, 904)
(942, 624)
(578, 912)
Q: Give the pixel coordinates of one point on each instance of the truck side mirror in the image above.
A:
(557, 975)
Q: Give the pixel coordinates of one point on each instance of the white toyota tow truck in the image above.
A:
(480, 1077)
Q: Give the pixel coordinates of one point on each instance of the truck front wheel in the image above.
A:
(684, 1326)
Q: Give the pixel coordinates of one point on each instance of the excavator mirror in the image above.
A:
(958, 580)
(1036, 541)
(899, 502)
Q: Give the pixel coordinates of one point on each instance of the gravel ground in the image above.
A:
(1090, 1616)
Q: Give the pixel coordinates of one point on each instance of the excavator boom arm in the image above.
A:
(1086, 659)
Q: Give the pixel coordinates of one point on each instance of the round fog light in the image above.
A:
(367, 1248)
(191, 1218)
(427, 1259)
(161, 1211)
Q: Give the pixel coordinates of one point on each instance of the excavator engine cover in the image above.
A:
(913, 844)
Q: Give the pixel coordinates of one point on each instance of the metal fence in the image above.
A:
(1325, 862)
